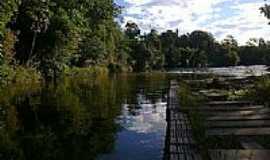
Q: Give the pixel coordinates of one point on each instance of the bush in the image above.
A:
(18, 75)
(86, 72)
(261, 91)
(6, 74)
(187, 98)
(115, 68)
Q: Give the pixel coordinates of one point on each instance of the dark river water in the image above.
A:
(115, 117)
(106, 118)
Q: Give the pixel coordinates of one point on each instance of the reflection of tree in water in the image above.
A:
(74, 120)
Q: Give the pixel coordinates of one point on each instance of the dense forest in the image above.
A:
(54, 35)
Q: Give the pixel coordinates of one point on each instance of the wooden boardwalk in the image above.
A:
(235, 118)
(179, 144)
(242, 119)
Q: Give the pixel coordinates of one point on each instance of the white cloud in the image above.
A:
(240, 18)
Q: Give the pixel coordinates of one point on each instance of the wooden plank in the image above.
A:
(237, 113)
(238, 118)
(186, 156)
(239, 154)
(176, 116)
(238, 131)
(223, 108)
(243, 124)
(224, 103)
(174, 106)
(250, 144)
(182, 141)
(182, 149)
(179, 142)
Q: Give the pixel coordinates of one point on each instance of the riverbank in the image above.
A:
(19, 75)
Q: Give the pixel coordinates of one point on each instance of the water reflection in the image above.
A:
(116, 117)
(143, 117)
(143, 126)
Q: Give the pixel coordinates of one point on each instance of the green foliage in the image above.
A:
(92, 52)
(266, 10)
(242, 94)
(8, 49)
(261, 91)
(18, 75)
(187, 98)
(132, 30)
(230, 45)
(5, 74)
(86, 72)
(52, 35)
(256, 51)
(7, 10)
(58, 31)
(72, 120)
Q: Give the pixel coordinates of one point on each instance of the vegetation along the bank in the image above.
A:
(52, 36)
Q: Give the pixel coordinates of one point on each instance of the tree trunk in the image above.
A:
(32, 49)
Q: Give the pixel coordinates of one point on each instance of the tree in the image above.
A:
(252, 42)
(132, 30)
(202, 40)
(231, 47)
(142, 58)
(153, 44)
(33, 19)
(91, 52)
(266, 11)
(8, 9)
(168, 42)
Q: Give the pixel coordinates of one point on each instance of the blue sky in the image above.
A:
(240, 18)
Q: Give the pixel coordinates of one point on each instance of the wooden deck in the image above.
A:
(222, 118)
(240, 118)
(239, 154)
(180, 144)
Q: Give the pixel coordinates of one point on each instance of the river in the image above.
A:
(115, 117)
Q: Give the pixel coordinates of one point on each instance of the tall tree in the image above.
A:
(231, 46)
(153, 43)
(168, 41)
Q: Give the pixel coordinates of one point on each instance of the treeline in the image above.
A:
(52, 35)
(196, 49)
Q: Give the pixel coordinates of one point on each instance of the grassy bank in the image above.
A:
(83, 72)
(18, 75)
(21, 75)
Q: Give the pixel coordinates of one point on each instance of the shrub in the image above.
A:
(187, 98)
(6, 74)
(86, 72)
(18, 75)
(261, 91)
